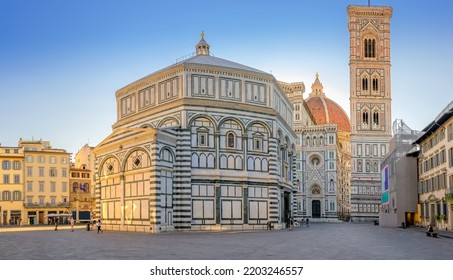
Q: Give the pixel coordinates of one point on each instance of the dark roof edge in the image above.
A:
(434, 125)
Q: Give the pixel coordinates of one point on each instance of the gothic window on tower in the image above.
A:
(369, 48)
(375, 84)
(331, 139)
(376, 118)
(364, 84)
(365, 118)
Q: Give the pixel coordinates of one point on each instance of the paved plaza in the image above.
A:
(321, 241)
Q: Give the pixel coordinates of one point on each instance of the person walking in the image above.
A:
(72, 223)
(306, 222)
(56, 224)
(99, 226)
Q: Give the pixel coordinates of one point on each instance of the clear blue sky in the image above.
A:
(62, 61)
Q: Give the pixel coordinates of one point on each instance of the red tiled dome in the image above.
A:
(325, 110)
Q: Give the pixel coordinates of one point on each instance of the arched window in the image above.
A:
(365, 47)
(202, 137)
(376, 118)
(307, 141)
(230, 140)
(84, 187)
(375, 84)
(365, 84)
(257, 143)
(365, 118)
(370, 48)
(314, 141)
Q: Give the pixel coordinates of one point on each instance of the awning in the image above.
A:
(59, 215)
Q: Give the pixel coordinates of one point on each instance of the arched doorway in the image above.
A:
(316, 209)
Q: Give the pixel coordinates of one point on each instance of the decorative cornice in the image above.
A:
(370, 11)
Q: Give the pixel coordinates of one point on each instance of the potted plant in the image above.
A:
(443, 217)
(436, 217)
(449, 197)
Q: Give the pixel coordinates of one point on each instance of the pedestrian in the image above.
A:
(306, 222)
(291, 223)
(72, 223)
(56, 224)
(99, 226)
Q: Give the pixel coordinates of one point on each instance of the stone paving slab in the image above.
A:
(321, 241)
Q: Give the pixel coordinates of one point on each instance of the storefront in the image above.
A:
(32, 218)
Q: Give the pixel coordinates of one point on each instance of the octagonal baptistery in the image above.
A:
(204, 144)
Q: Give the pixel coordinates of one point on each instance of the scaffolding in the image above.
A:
(399, 127)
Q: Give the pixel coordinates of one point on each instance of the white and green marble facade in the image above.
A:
(205, 144)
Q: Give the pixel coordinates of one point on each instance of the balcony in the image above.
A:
(47, 205)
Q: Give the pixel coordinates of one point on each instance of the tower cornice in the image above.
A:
(370, 11)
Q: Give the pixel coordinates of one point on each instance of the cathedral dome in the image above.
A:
(325, 110)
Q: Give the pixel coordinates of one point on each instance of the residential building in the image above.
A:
(85, 159)
(80, 198)
(46, 189)
(435, 169)
(12, 186)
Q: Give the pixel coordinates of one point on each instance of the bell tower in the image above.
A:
(370, 105)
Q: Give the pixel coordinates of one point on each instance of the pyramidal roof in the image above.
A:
(203, 57)
(220, 62)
